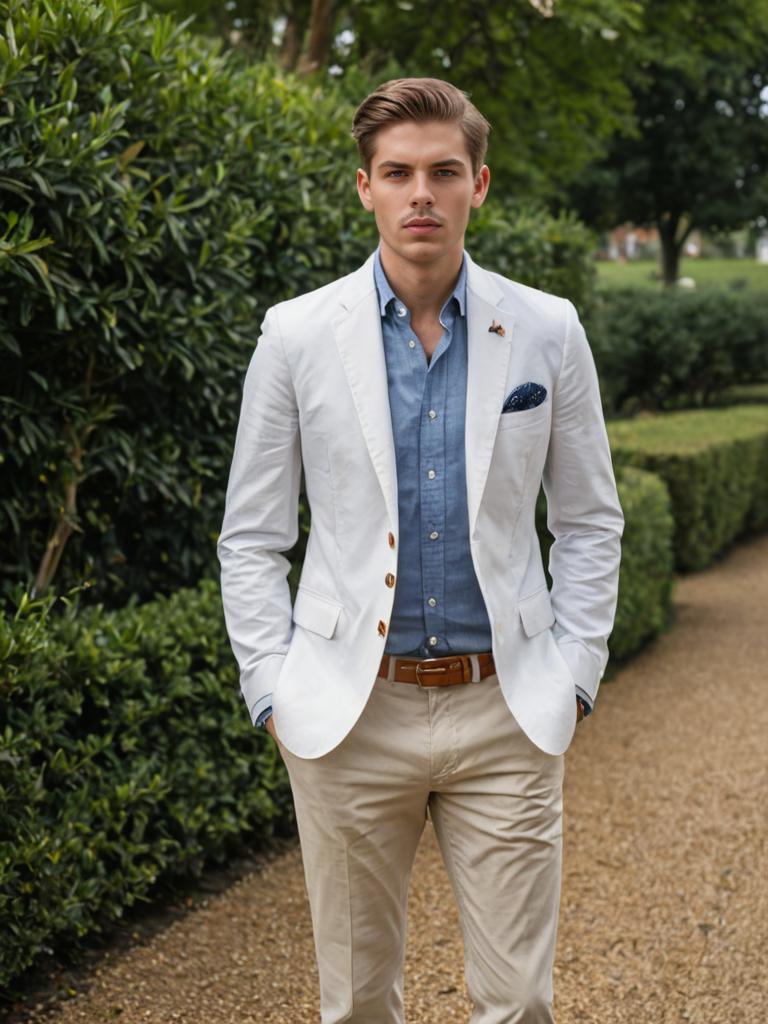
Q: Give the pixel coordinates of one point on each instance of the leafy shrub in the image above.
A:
(126, 754)
(157, 197)
(715, 465)
(530, 245)
(670, 350)
(647, 562)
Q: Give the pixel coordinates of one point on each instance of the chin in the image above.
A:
(425, 249)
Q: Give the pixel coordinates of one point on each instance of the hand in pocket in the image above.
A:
(270, 726)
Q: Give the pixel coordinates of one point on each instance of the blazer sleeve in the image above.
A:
(261, 520)
(583, 514)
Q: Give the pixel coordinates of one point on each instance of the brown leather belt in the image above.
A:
(438, 671)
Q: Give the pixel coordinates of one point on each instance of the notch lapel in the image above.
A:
(488, 355)
(357, 330)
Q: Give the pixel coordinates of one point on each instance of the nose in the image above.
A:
(421, 194)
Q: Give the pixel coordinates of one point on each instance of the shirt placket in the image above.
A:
(432, 470)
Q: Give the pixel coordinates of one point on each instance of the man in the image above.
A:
(424, 666)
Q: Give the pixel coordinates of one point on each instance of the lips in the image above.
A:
(422, 226)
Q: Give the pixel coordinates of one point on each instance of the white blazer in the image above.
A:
(316, 392)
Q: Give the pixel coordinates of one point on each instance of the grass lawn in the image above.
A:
(739, 274)
(689, 430)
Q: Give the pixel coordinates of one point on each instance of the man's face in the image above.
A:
(421, 189)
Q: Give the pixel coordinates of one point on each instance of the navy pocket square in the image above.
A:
(525, 396)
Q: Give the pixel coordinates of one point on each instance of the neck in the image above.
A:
(423, 287)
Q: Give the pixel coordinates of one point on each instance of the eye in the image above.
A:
(446, 171)
(393, 174)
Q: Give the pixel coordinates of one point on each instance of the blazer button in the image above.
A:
(389, 579)
(382, 628)
(391, 539)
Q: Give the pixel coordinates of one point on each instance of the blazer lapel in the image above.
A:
(357, 330)
(488, 355)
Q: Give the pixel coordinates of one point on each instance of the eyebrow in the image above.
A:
(450, 161)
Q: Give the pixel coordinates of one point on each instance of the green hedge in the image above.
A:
(715, 466)
(671, 350)
(157, 197)
(530, 245)
(126, 754)
(647, 560)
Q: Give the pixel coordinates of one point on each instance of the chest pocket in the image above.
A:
(530, 418)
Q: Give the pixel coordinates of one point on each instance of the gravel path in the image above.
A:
(664, 915)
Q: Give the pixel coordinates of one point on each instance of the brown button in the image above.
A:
(389, 579)
(382, 628)
(391, 539)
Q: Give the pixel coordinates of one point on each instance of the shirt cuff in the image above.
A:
(585, 698)
(261, 710)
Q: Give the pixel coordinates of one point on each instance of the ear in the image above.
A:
(481, 184)
(364, 189)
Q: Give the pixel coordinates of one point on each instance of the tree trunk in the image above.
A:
(55, 546)
(674, 229)
(670, 259)
(289, 50)
(66, 523)
(315, 55)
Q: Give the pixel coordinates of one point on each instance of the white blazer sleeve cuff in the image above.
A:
(258, 684)
(586, 665)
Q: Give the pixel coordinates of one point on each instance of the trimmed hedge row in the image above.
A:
(673, 350)
(715, 466)
(125, 755)
(647, 562)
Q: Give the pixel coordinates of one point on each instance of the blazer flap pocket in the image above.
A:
(536, 612)
(316, 613)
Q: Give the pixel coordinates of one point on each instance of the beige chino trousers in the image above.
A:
(495, 800)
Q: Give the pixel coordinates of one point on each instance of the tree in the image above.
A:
(698, 157)
(549, 79)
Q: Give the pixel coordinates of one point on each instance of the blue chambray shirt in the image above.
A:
(438, 606)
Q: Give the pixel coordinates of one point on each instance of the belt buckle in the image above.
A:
(421, 670)
(463, 662)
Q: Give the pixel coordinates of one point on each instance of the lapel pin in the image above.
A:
(496, 329)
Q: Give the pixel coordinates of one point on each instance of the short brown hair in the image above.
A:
(419, 99)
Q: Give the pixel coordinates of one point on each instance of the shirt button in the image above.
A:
(431, 602)
(434, 535)
(411, 343)
(391, 539)
(401, 310)
(432, 641)
(431, 474)
(389, 579)
(382, 627)
(431, 414)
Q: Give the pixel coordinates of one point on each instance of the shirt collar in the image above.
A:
(386, 295)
